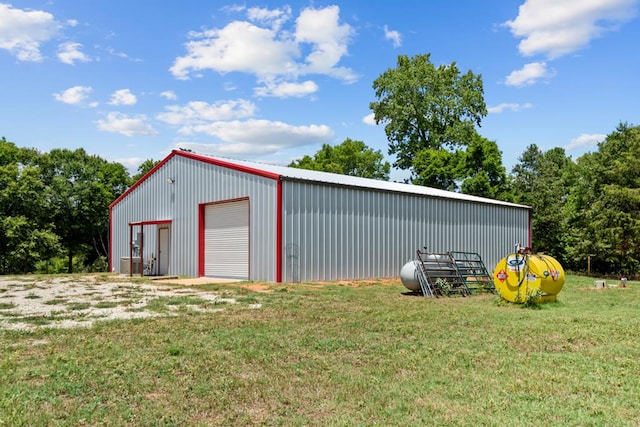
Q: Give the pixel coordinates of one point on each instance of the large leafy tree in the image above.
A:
(82, 187)
(26, 233)
(543, 180)
(437, 168)
(351, 157)
(482, 171)
(144, 168)
(430, 114)
(605, 204)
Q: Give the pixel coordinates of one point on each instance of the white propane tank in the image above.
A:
(409, 276)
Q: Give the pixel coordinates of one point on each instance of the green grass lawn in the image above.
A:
(339, 355)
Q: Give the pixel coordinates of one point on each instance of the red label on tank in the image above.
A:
(502, 275)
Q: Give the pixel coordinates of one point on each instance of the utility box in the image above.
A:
(126, 264)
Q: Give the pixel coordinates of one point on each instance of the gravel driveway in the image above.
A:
(27, 303)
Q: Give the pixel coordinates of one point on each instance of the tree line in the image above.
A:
(54, 206)
(54, 209)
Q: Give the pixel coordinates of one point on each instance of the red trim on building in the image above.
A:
(154, 222)
(110, 240)
(227, 165)
(201, 239)
(279, 233)
(143, 179)
(530, 242)
(249, 239)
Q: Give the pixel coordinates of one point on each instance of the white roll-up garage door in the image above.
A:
(226, 240)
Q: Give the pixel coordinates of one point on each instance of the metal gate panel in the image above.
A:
(226, 240)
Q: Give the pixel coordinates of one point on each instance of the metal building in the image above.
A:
(195, 215)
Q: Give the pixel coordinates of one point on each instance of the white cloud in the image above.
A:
(69, 52)
(73, 95)
(111, 51)
(330, 39)
(265, 50)
(394, 36)
(529, 74)
(234, 8)
(239, 137)
(23, 31)
(497, 109)
(369, 119)
(237, 150)
(123, 97)
(555, 28)
(198, 112)
(585, 140)
(131, 163)
(271, 17)
(260, 135)
(129, 126)
(240, 46)
(169, 94)
(287, 89)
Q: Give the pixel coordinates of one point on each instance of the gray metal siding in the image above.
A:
(196, 183)
(333, 232)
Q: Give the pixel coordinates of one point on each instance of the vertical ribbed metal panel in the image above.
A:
(334, 233)
(195, 183)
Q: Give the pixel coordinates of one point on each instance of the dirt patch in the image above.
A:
(271, 287)
(257, 287)
(28, 304)
(195, 281)
(251, 286)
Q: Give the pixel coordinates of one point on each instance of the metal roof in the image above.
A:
(285, 172)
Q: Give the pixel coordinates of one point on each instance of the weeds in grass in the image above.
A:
(56, 301)
(164, 304)
(22, 279)
(182, 300)
(33, 320)
(246, 299)
(533, 299)
(78, 305)
(500, 301)
(443, 285)
(108, 304)
(173, 350)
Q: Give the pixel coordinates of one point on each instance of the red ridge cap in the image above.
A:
(230, 165)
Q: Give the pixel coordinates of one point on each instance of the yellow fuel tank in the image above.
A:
(519, 276)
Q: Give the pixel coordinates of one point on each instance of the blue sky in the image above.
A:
(273, 81)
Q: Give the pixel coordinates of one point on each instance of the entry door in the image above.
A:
(163, 251)
(226, 240)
